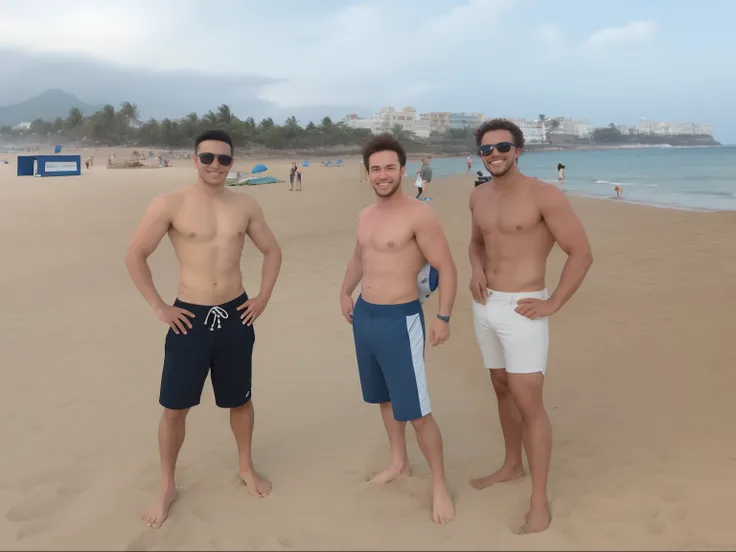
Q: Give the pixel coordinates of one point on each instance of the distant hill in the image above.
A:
(48, 106)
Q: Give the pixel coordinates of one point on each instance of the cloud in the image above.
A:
(360, 55)
(633, 32)
(309, 59)
(167, 93)
(106, 31)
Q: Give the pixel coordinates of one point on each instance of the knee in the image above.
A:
(500, 383)
(531, 408)
(421, 423)
(248, 406)
(171, 416)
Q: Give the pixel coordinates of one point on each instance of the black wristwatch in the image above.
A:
(445, 319)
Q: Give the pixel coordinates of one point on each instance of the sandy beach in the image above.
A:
(640, 385)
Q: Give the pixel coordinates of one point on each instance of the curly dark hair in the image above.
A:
(500, 124)
(383, 142)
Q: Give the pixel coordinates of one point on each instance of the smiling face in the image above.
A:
(497, 162)
(215, 173)
(385, 173)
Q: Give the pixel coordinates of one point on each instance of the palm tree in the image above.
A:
(266, 123)
(130, 112)
(75, 118)
(225, 115)
(190, 126)
(210, 118)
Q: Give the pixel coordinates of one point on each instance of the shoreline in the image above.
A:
(653, 205)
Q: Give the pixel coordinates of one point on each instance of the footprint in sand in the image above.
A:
(44, 504)
(41, 509)
(145, 541)
(655, 526)
(33, 528)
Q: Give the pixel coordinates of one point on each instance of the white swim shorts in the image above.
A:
(506, 338)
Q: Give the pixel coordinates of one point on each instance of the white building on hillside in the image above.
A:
(388, 117)
(535, 132)
(660, 128)
(565, 125)
(441, 121)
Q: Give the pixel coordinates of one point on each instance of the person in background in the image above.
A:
(425, 173)
(292, 174)
(560, 173)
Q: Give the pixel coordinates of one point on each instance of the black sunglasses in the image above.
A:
(208, 159)
(487, 149)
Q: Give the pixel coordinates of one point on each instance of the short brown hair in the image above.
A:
(500, 124)
(384, 142)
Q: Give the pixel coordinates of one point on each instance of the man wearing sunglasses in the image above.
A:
(211, 320)
(516, 220)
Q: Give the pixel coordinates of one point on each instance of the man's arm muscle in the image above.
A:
(354, 270)
(150, 231)
(262, 237)
(569, 233)
(433, 245)
(476, 249)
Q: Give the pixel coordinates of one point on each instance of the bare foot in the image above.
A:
(390, 474)
(157, 513)
(537, 520)
(258, 486)
(443, 508)
(501, 476)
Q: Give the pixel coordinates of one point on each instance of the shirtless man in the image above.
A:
(211, 321)
(396, 237)
(516, 221)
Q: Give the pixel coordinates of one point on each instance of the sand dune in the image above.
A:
(640, 388)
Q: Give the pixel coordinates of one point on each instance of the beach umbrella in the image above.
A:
(259, 168)
(306, 163)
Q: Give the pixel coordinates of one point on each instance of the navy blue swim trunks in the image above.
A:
(218, 343)
(389, 346)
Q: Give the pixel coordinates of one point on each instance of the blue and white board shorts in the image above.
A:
(389, 345)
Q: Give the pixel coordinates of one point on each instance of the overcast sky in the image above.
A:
(605, 61)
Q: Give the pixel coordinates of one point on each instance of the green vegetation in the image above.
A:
(610, 135)
(122, 127)
(109, 127)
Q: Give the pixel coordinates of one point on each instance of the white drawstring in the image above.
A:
(217, 313)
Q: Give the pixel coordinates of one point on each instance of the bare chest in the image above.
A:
(203, 223)
(384, 234)
(507, 216)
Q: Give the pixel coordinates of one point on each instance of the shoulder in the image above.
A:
(479, 192)
(476, 192)
(244, 201)
(549, 198)
(420, 213)
(167, 204)
(365, 212)
(547, 195)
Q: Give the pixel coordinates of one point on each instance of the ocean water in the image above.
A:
(677, 178)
